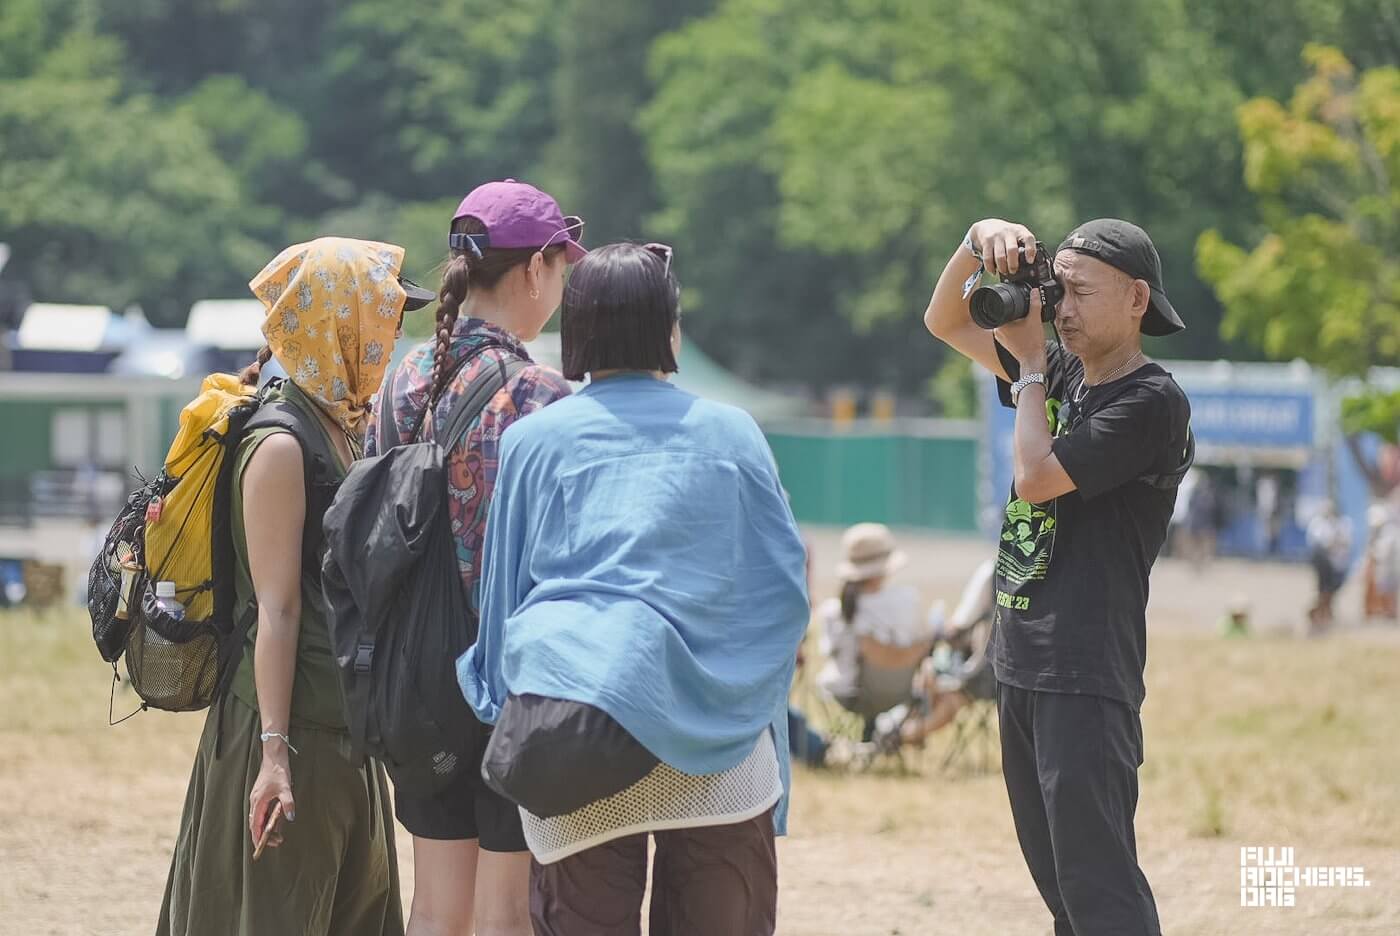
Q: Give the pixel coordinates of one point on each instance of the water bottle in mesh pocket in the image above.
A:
(173, 662)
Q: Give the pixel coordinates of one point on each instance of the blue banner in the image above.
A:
(1251, 418)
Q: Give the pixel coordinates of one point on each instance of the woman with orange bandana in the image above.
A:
(277, 744)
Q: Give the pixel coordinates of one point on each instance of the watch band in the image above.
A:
(971, 282)
(1025, 381)
(967, 243)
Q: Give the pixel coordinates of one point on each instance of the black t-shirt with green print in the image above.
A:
(1071, 577)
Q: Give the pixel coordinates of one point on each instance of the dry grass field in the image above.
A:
(1272, 740)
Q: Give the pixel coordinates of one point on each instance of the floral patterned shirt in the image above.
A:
(472, 463)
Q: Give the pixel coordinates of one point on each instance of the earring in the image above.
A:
(534, 294)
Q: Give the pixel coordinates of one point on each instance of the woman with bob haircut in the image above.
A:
(643, 598)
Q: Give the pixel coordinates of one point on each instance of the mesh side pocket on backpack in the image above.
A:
(175, 675)
(124, 542)
(107, 630)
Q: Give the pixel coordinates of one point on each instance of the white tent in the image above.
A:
(227, 324)
(48, 326)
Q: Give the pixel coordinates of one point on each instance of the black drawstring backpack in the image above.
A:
(395, 606)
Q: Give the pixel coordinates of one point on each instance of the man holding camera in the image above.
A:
(1102, 439)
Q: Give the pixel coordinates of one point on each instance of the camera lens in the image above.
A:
(993, 306)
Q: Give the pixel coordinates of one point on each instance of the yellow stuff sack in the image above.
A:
(180, 524)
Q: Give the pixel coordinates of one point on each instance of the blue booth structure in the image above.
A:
(1252, 421)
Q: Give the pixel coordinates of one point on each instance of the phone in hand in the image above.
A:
(273, 817)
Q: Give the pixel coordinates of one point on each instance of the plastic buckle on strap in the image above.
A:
(364, 653)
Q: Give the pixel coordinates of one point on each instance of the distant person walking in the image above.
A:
(1268, 508)
(1329, 543)
(1203, 511)
(1381, 571)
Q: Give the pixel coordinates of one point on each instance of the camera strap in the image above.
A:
(971, 282)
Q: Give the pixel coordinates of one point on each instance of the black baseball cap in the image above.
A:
(1125, 246)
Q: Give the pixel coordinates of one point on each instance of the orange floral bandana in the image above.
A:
(333, 308)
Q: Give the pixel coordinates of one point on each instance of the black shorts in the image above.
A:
(468, 809)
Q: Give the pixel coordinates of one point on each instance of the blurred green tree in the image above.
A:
(811, 161)
(597, 162)
(428, 98)
(1322, 283)
(110, 197)
(817, 160)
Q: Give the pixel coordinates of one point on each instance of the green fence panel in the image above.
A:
(940, 483)
(27, 428)
(901, 480)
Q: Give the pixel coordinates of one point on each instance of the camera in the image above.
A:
(1009, 300)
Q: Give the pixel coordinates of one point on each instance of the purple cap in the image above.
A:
(518, 215)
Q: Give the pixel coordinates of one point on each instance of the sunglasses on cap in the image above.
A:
(663, 252)
(572, 230)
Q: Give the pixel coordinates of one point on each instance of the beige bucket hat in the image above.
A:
(868, 551)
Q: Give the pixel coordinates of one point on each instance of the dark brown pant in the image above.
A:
(716, 879)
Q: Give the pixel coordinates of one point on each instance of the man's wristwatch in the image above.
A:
(1025, 381)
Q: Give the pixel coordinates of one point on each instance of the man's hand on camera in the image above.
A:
(1025, 338)
(999, 243)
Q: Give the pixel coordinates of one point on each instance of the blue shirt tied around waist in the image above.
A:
(640, 557)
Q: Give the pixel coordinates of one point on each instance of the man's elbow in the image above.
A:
(936, 328)
(1033, 486)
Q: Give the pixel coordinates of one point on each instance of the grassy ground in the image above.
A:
(1268, 741)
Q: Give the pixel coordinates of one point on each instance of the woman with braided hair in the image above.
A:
(510, 247)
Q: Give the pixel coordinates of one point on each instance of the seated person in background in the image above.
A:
(875, 636)
(958, 673)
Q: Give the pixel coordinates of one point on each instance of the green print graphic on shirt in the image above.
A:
(1027, 541)
(1028, 531)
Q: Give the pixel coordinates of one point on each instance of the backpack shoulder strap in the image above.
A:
(385, 440)
(477, 394)
(288, 416)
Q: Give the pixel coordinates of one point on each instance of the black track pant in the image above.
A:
(1070, 763)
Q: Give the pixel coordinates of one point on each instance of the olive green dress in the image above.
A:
(336, 871)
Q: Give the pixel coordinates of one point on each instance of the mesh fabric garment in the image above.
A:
(664, 799)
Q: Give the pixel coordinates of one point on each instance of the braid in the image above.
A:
(251, 374)
(482, 268)
(450, 297)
